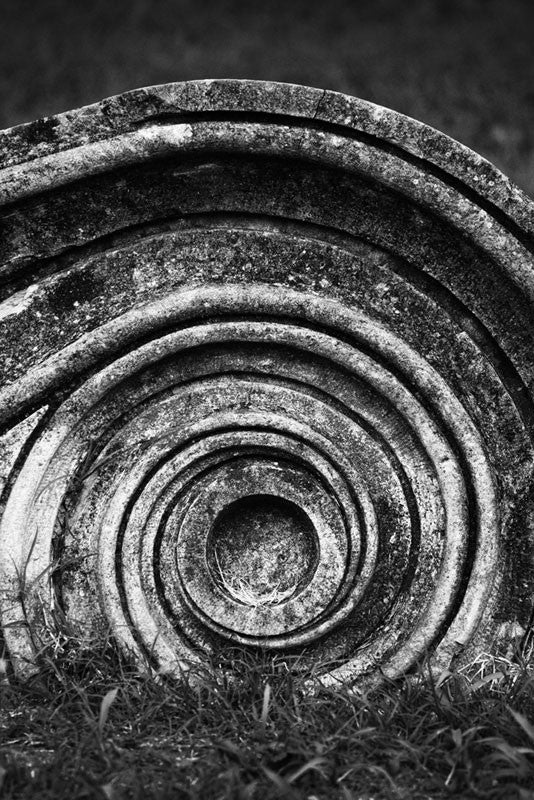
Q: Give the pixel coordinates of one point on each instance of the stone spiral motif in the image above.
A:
(268, 366)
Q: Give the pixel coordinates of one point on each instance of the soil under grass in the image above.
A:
(90, 726)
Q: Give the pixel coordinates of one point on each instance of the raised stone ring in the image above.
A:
(267, 358)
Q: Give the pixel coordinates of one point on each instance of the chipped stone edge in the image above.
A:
(131, 110)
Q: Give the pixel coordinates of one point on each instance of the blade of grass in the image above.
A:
(107, 701)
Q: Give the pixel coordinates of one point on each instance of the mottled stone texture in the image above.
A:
(267, 358)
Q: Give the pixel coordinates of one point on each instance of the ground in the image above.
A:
(90, 726)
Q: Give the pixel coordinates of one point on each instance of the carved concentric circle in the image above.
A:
(280, 400)
(332, 423)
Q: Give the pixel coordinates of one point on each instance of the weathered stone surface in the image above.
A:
(267, 358)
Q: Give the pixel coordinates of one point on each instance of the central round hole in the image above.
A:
(262, 550)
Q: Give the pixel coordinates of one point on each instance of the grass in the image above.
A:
(248, 726)
(246, 592)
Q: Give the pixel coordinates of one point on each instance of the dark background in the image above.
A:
(463, 66)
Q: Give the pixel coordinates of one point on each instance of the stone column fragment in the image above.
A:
(267, 380)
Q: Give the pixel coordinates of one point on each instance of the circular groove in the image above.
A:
(337, 354)
(288, 384)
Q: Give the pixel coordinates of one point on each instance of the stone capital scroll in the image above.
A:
(267, 368)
